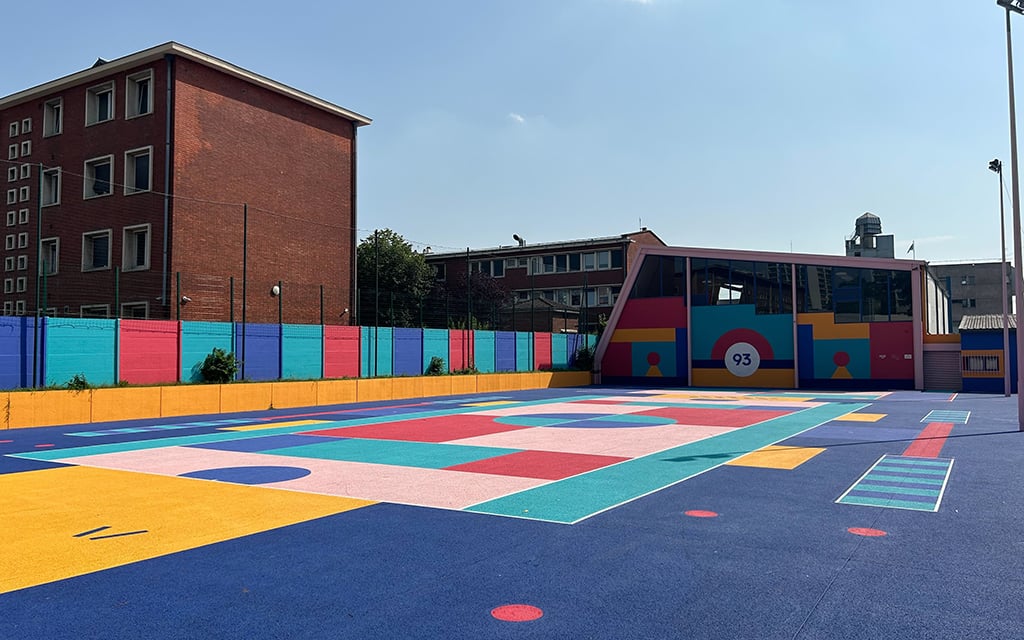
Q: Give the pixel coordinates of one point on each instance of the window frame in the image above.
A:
(135, 305)
(89, 177)
(23, 216)
(26, 148)
(12, 130)
(23, 240)
(43, 245)
(131, 86)
(12, 151)
(129, 244)
(22, 263)
(26, 126)
(26, 171)
(104, 307)
(53, 117)
(92, 97)
(130, 158)
(87, 236)
(12, 174)
(51, 180)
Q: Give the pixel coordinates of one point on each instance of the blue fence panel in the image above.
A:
(504, 351)
(524, 351)
(377, 344)
(80, 346)
(408, 352)
(559, 351)
(261, 355)
(302, 351)
(198, 340)
(435, 343)
(483, 351)
(17, 352)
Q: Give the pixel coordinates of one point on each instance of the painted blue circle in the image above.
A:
(585, 420)
(249, 475)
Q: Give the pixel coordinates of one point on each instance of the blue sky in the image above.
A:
(760, 125)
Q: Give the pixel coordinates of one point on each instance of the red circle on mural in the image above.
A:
(864, 531)
(841, 358)
(516, 613)
(698, 513)
(653, 359)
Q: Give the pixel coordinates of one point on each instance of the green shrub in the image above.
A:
(219, 367)
(585, 358)
(436, 367)
(78, 383)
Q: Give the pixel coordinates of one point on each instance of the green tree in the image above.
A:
(394, 280)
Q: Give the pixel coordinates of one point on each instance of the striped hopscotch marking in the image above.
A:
(901, 482)
(956, 417)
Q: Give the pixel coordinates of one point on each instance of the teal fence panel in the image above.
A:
(435, 343)
(80, 346)
(559, 351)
(375, 354)
(524, 351)
(302, 351)
(198, 339)
(483, 351)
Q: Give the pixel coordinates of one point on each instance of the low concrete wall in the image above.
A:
(26, 409)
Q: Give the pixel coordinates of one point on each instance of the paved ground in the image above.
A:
(561, 513)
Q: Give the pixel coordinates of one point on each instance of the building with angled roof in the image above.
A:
(171, 184)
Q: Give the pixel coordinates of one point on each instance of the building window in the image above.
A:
(22, 263)
(94, 311)
(99, 103)
(26, 171)
(8, 285)
(23, 240)
(23, 194)
(51, 188)
(12, 152)
(967, 280)
(97, 176)
(12, 174)
(12, 218)
(10, 241)
(8, 308)
(12, 196)
(19, 308)
(9, 263)
(138, 95)
(23, 216)
(21, 284)
(26, 148)
(12, 129)
(136, 310)
(53, 117)
(136, 248)
(138, 170)
(96, 250)
(439, 271)
(50, 256)
(26, 125)
(969, 303)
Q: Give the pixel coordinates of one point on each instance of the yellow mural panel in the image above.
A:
(644, 335)
(825, 327)
(762, 378)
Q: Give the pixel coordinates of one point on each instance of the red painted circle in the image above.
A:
(40, 446)
(841, 358)
(697, 513)
(516, 613)
(864, 531)
(653, 359)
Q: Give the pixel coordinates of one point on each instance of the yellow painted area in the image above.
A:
(189, 400)
(437, 385)
(371, 389)
(490, 382)
(245, 397)
(862, 417)
(5, 398)
(335, 391)
(465, 384)
(825, 327)
(44, 408)
(767, 399)
(952, 338)
(776, 457)
(644, 335)
(273, 425)
(766, 378)
(293, 394)
(124, 403)
(44, 510)
(570, 379)
(405, 387)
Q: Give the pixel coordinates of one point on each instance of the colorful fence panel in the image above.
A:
(17, 352)
(559, 351)
(376, 351)
(302, 351)
(460, 349)
(148, 351)
(258, 346)
(408, 352)
(542, 352)
(524, 351)
(198, 340)
(483, 351)
(341, 352)
(435, 345)
(80, 346)
(504, 351)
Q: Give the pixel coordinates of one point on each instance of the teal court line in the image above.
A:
(897, 472)
(182, 441)
(573, 499)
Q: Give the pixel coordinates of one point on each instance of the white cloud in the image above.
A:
(515, 117)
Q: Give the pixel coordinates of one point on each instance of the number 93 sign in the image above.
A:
(742, 359)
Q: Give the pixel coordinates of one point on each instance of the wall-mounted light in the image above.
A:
(275, 290)
(185, 299)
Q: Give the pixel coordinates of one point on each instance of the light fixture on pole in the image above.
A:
(997, 166)
(1018, 273)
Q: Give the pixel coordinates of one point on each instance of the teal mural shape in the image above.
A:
(654, 354)
(852, 353)
(708, 324)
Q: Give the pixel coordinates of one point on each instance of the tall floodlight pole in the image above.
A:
(1018, 273)
(997, 166)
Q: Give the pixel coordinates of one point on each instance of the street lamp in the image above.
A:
(997, 166)
(1018, 273)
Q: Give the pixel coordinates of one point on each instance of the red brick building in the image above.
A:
(585, 275)
(171, 184)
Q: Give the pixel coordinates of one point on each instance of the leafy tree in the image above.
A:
(488, 295)
(386, 260)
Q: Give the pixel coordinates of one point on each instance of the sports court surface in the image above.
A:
(559, 513)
